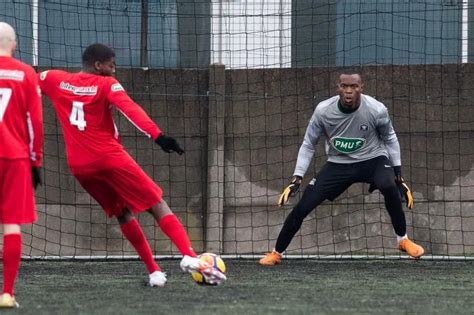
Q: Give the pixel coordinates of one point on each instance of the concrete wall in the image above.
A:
(241, 130)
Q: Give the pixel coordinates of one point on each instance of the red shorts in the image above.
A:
(17, 203)
(117, 182)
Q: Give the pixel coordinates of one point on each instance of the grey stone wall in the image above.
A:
(241, 130)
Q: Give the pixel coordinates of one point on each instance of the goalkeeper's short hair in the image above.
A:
(97, 52)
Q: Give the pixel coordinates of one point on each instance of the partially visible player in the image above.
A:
(362, 146)
(83, 102)
(21, 142)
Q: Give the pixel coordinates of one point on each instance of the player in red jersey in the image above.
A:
(83, 102)
(21, 142)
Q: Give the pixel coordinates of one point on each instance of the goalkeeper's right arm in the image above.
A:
(305, 155)
(306, 152)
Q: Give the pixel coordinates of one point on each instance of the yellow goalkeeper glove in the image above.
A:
(405, 192)
(290, 190)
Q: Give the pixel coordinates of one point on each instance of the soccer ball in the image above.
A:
(213, 261)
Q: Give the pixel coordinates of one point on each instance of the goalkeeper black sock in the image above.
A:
(395, 210)
(290, 227)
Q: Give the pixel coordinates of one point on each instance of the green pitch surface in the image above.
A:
(294, 287)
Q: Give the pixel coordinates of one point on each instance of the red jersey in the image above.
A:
(21, 115)
(83, 104)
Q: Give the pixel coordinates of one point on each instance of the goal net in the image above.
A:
(236, 83)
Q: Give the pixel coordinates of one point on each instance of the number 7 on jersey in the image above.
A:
(5, 95)
(77, 116)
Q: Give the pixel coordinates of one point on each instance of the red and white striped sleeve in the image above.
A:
(131, 110)
(34, 118)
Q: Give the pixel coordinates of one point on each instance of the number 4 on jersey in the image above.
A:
(5, 95)
(77, 116)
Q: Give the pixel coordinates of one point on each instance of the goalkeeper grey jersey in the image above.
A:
(350, 137)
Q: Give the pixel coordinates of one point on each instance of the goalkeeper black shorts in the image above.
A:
(334, 178)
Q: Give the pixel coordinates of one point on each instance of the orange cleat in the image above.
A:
(412, 249)
(271, 259)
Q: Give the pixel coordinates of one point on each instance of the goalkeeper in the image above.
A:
(362, 146)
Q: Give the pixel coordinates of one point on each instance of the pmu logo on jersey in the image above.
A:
(347, 145)
(78, 90)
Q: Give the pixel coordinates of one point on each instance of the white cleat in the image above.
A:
(8, 301)
(213, 276)
(191, 264)
(157, 279)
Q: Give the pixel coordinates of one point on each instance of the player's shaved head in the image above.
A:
(353, 75)
(7, 39)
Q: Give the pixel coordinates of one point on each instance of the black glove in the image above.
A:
(36, 176)
(290, 190)
(169, 144)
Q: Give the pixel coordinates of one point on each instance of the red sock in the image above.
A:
(134, 234)
(11, 261)
(172, 227)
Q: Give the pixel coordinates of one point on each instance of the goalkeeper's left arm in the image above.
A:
(393, 149)
(387, 134)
